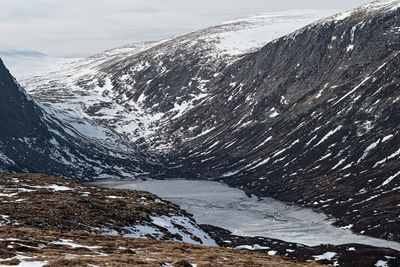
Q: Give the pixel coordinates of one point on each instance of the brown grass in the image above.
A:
(103, 250)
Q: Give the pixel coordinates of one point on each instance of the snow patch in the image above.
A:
(171, 223)
(330, 133)
(326, 256)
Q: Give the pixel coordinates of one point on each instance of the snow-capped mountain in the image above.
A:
(34, 138)
(135, 91)
(311, 117)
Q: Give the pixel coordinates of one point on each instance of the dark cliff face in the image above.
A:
(19, 115)
(21, 124)
(311, 118)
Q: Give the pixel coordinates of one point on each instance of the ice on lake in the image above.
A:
(220, 205)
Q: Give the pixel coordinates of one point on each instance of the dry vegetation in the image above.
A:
(50, 221)
(56, 248)
(74, 206)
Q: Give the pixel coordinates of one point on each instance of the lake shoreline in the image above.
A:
(229, 191)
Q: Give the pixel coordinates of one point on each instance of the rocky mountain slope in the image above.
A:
(313, 120)
(309, 118)
(35, 138)
(136, 92)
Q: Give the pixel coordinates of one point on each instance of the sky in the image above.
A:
(76, 28)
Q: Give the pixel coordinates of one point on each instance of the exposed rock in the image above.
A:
(310, 121)
(48, 202)
(35, 138)
(348, 255)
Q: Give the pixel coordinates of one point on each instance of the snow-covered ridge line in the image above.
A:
(376, 6)
(379, 6)
(247, 34)
(108, 82)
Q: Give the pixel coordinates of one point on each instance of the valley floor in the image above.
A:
(220, 205)
(51, 221)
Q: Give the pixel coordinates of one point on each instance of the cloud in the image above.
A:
(85, 27)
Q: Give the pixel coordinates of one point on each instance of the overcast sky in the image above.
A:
(85, 27)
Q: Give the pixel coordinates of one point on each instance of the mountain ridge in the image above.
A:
(267, 123)
(123, 80)
(35, 138)
(309, 118)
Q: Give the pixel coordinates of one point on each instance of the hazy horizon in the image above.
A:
(86, 27)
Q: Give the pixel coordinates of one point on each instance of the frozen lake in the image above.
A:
(220, 205)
